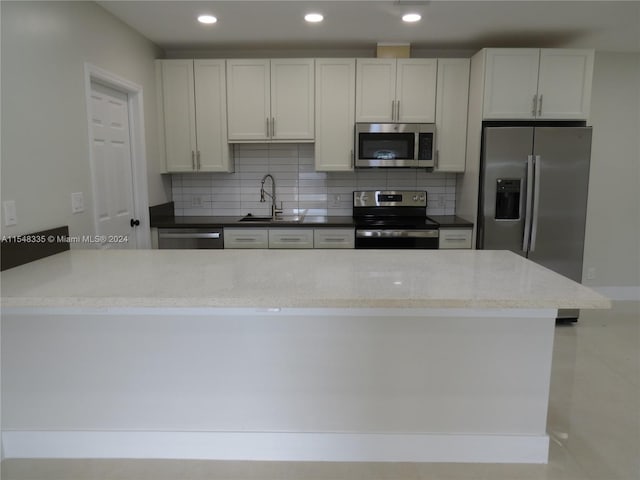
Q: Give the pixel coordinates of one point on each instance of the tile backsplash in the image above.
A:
(298, 186)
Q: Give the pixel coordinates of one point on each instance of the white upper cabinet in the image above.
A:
(270, 100)
(564, 83)
(335, 113)
(452, 104)
(248, 100)
(193, 115)
(531, 83)
(396, 90)
(416, 90)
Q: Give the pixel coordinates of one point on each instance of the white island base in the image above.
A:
(320, 355)
(400, 385)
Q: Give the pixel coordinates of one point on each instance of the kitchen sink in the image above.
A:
(279, 219)
(253, 218)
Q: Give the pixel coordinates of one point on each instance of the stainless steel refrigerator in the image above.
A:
(533, 195)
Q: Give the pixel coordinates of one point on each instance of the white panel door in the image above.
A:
(375, 89)
(564, 84)
(179, 116)
(112, 169)
(248, 100)
(211, 116)
(335, 113)
(292, 99)
(511, 83)
(416, 90)
(451, 114)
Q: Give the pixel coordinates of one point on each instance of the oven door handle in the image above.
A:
(384, 233)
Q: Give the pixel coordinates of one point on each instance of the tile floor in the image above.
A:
(594, 423)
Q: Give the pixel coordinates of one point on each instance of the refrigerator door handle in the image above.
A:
(536, 201)
(527, 214)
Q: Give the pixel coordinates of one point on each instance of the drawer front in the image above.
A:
(290, 238)
(334, 238)
(246, 238)
(455, 238)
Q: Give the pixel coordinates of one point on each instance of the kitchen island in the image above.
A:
(356, 355)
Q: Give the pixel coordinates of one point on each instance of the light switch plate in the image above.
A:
(77, 202)
(10, 217)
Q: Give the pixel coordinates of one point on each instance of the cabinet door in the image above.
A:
(211, 116)
(335, 113)
(178, 103)
(416, 90)
(564, 84)
(511, 83)
(248, 100)
(292, 99)
(451, 114)
(375, 89)
(246, 237)
(291, 238)
(453, 238)
(333, 238)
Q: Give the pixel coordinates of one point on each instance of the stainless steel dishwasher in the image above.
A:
(179, 238)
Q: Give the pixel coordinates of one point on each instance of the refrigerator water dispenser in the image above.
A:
(508, 199)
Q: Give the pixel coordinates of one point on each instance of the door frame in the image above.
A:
(135, 105)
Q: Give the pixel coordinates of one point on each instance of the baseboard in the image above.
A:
(334, 447)
(619, 293)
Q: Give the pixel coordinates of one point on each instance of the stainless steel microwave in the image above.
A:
(395, 144)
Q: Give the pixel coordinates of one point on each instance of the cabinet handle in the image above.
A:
(273, 126)
(198, 159)
(267, 127)
(397, 110)
(535, 105)
(437, 159)
(393, 110)
(193, 160)
(540, 105)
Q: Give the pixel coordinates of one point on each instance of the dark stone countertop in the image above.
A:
(451, 221)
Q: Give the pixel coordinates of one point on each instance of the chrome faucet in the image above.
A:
(274, 209)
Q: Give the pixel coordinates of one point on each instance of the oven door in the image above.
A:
(389, 238)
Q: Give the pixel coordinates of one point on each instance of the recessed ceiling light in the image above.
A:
(208, 19)
(411, 17)
(313, 17)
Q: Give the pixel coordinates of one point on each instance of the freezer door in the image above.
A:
(562, 161)
(504, 187)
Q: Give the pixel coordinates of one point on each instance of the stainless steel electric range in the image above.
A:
(393, 219)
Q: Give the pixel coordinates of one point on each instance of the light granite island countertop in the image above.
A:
(292, 278)
(337, 355)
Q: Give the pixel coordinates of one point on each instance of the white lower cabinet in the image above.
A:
(246, 238)
(291, 238)
(451, 238)
(334, 238)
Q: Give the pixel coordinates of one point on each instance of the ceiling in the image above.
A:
(445, 24)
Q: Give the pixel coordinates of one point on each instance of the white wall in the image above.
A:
(612, 243)
(45, 148)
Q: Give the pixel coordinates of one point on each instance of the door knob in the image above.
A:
(134, 223)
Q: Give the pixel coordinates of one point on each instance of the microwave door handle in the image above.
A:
(527, 215)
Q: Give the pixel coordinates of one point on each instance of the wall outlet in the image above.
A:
(77, 202)
(196, 201)
(10, 217)
(591, 273)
